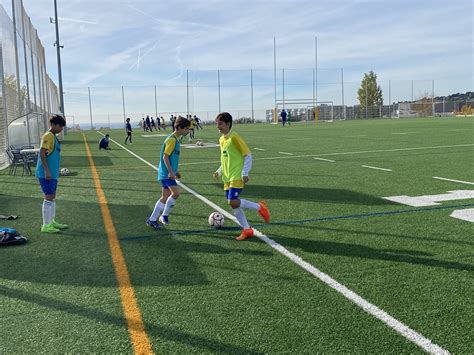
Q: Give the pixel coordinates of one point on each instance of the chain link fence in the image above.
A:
(27, 93)
(255, 96)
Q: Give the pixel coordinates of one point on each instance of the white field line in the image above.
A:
(403, 132)
(368, 307)
(459, 129)
(344, 153)
(285, 153)
(360, 135)
(329, 160)
(460, 181)
(374, 167)
(259, 149)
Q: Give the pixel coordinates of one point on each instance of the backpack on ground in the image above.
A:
(9, 236)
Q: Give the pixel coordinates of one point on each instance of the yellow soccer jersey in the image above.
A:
(169, 147)
(233, 151)
(47, 141)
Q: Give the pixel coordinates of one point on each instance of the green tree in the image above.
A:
(370, 95)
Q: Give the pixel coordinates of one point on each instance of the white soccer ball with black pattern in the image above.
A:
(216, 220)
(64, 172)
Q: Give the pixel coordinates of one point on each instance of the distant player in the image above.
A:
(283, 117)
(47, 172)
(128, 130)
(163, 125)
(104, 142)
(198, 122)
(192, 126)
(152, 124)
(148, 123)
(168, 173)
(236, 162)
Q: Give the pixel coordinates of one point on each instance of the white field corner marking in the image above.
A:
(431, 200)
(368, 307)
(465, 215)
(375, 168)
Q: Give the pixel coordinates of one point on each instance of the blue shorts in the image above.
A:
(233, 193)
(48, 186)
(166, 183)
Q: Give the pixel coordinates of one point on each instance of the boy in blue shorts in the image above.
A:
(236, 162)
(168, 173)
(47, 172)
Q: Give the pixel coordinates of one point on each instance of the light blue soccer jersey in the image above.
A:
(171, 147)
(53, 158)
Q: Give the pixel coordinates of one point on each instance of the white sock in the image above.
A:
(249, 204)
(53, 213)
(240, 215)
(47, 212)
(169, 205)
(159, 206)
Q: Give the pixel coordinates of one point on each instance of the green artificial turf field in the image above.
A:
(199, 290)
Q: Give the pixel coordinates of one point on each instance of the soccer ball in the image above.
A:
(216, 220)
(64, 172)
(200, 143)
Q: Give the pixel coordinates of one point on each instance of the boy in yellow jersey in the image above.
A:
(236, 162)
(47, 172)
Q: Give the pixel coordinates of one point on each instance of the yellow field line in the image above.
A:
(138, 335)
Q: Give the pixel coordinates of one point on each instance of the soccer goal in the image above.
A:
(304, 110)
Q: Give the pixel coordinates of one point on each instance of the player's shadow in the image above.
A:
(314, 194)
(362, 251)
(81, 256)
(156, 331)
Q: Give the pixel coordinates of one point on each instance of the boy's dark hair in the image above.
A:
(107, 135)
(225, 117)
(181, 122)
(128, 119)
(58, 120)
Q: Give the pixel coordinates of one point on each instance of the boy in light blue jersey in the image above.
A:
(168, 173)
(47, 172)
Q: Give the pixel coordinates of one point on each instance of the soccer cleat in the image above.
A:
(48, 228)
(58, 225)
(164, 219)
(246, 233)
(264, 212)
(153, 224)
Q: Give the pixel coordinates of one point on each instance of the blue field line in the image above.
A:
(310, 220)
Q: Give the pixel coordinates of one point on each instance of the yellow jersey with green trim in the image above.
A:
(233, 151)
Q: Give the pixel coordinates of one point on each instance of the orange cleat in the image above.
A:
(264, 212)
(246, 233)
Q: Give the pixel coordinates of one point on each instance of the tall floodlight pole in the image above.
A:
(58, 54)
(274, 76)
(316, 67)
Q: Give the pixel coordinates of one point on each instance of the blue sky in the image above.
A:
(139, 43)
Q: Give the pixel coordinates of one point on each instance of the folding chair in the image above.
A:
(17, 160)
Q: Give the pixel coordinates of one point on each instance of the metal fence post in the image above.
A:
(187, 93)
(342, 93)
(219, 88)
(432, 99)
(156, 104)
(90, 105)
(123, 105)
(251, 92)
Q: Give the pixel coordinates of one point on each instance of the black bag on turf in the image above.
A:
(9, 236)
